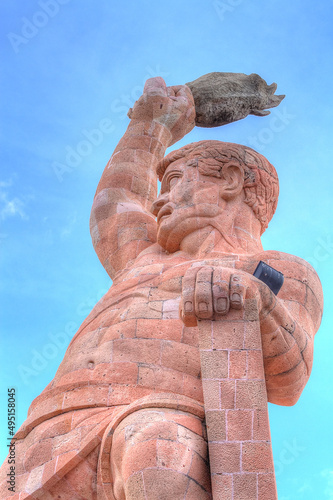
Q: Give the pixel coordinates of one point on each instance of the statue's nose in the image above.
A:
(159, 203)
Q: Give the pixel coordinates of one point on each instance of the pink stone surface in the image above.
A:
(185, 329)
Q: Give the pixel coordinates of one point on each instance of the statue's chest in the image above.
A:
(153, 291)
(149, 292)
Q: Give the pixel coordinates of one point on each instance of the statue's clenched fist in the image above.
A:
(209, 293)
(172, 107)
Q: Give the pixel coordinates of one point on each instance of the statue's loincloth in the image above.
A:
(69, 453)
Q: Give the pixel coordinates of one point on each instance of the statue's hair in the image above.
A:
(261, 184)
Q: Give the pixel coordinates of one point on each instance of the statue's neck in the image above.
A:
(231, 235)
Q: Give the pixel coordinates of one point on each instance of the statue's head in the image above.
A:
(208, 183)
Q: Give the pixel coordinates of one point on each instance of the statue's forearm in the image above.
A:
(121, 225)
(132, 165)
(288, 353)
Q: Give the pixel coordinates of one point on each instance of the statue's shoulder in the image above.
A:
(291, 263)
(301, 282)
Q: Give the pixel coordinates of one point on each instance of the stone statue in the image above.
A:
(186, 341)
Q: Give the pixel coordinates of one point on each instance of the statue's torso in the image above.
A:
(133, 342)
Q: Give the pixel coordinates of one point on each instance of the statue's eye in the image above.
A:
(173, 181)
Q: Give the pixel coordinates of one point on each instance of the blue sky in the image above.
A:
(70, 68)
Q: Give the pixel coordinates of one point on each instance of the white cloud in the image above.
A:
(5, 184)
(10, 206)
(71, 221)
(328, 475)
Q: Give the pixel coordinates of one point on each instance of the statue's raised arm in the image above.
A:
(121, 223)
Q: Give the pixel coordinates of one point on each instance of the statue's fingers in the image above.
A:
(203, 293)
(220, 292)
(171, 92)
(183, 91)
(236, 292)
(176, 88)
(187, 310)
(155, 86)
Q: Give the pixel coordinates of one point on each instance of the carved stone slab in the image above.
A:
(222, 98)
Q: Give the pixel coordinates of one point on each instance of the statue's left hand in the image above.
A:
(210, 293)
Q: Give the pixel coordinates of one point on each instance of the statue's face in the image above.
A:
(188, 201)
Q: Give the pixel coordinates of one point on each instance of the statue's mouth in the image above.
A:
(165, 212)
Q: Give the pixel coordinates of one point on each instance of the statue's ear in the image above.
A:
(232, 181)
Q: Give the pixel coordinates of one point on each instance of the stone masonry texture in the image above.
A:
(162, 393)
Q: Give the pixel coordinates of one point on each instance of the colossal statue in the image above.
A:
(187, 340)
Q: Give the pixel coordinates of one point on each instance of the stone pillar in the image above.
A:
(240, 452)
